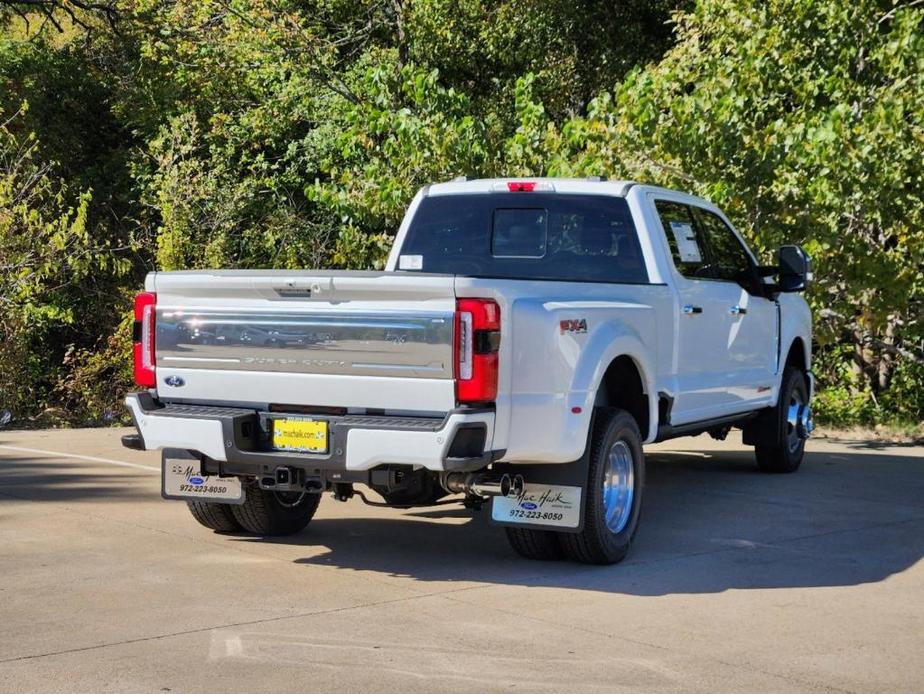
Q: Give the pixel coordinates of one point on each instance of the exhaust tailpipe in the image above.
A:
(482, 484)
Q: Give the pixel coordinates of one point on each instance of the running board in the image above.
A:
(672, 431)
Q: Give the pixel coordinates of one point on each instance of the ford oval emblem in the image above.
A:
(529, 506)
(196, 481)
(175, 381)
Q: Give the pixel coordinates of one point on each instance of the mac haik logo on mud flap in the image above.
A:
(192, 477)
(539, 498)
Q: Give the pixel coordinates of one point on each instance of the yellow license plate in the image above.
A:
(299, 435)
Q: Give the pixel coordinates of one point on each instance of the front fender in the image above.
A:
(795, 323)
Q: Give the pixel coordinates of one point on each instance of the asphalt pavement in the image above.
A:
(738, 581)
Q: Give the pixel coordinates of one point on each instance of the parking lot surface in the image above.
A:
(738, 581)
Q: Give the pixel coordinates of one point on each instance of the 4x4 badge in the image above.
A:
(573, 325)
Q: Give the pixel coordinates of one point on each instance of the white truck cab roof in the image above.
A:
(595, 185)
(592, 185)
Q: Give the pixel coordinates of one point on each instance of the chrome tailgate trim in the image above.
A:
(334, 342)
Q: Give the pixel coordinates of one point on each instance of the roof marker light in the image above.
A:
(522, 187)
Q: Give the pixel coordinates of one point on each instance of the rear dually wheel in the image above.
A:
(217, 517)
(613, 494)
(271, 513)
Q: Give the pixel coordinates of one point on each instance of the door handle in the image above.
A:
(737, 310)
(690, 309)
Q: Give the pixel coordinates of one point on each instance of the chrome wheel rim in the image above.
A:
(289, 499)
(799, 423)
(618, 486)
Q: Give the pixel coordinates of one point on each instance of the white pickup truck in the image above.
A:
(525, 340)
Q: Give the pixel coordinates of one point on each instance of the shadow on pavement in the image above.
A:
(877, 445)
(711, 523)
(57, 479)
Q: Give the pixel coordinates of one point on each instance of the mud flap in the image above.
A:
(763, 430)
(553, 497)
(183, 477)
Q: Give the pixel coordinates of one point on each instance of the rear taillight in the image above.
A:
(477, 344)
(143, 339)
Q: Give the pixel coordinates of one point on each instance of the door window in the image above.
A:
(684, 238)
(729, 261)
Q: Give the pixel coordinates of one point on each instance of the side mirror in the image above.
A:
(795, 269)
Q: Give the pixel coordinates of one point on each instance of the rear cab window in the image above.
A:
(531, 236)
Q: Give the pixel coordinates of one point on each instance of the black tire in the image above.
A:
(597, 543)
(272, 513)
(785, 454)
(217, 517)
(542, 545)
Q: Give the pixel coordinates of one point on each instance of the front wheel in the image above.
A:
(266, 512)
(791, 424)
(613, 495)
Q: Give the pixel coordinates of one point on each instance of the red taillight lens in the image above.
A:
(143, 339)
(521, 186)
(477, 344)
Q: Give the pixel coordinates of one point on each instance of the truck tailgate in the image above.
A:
(325, 339)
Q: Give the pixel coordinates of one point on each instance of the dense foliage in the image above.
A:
(285, 133)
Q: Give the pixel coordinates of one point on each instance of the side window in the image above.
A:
(683, 236)
(730, 261)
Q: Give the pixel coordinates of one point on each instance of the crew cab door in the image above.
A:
(751, 320)
(725, 354)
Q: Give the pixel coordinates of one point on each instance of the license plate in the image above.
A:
(303, 435)
(182, 479)
(540, 504)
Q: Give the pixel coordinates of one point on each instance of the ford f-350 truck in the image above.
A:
(525, 340)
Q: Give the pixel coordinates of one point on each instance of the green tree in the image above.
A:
(805, 121)
(293, 133)
(45, 253)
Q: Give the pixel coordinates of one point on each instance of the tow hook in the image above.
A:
(482, 484)
(133, 441)
(343, 491)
